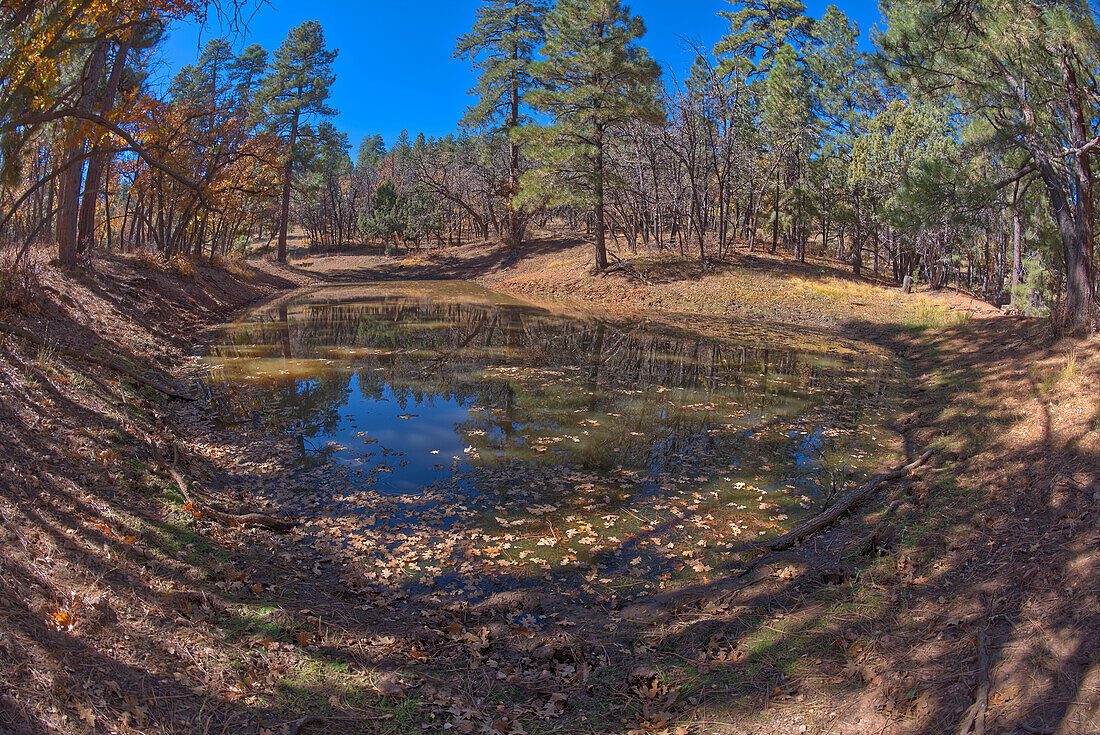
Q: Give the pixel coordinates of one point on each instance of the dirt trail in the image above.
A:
(121, 611)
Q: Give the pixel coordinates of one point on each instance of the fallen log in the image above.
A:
(245, 520)
(843, 505)
(108, 364)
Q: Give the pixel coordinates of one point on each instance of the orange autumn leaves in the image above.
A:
(41, 35)
(230, 173)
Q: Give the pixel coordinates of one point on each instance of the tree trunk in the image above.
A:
(68, 204)
(1076, 247)
(601, 243)
(288, 172)
(775, 224)
(99, 161)
(1079, 245)
(1017, 252)
(857, 241)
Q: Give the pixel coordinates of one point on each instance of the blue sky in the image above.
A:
(395, 69)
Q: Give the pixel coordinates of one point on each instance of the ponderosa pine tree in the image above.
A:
(293, 94)
(370, 151)
(846, 97)
(788, 119)
(595, 80)
(759, 29)
(247, 70)
(502, 45)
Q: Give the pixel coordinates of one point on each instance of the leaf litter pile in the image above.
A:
(501, 483)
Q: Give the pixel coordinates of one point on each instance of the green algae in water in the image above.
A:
(447, 433)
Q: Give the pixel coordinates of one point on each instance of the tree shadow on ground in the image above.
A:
(660, 268)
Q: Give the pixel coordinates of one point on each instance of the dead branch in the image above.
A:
(625, 268)
(104, 363)
(843, 505)
(622, 265)
(247, 520)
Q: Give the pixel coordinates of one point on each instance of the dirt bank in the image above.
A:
(745, 287)
(91, 561)
(123, 611)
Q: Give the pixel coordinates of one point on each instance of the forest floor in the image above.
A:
(970, 588)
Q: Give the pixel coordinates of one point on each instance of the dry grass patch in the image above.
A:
(18, 280)
(234, 264)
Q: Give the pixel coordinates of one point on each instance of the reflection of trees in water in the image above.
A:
(674, 389)
(308, 407)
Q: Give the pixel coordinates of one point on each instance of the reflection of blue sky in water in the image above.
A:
(807, 451)
(431, 426)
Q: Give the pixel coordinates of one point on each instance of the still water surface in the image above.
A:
(444, 431)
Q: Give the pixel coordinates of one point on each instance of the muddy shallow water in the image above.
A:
(450, 435)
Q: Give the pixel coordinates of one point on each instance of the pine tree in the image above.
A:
(765, 45)
(371, 150)
(403, 147)
(759, 29)
(502, 45)
(596, 79)
(787, 116)
(294, 93)
(247, 70)
(846, 97)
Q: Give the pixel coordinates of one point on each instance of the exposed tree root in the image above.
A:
(298, 725)
(109, 364)
(974, 721)
(247, 520)
(843, 505)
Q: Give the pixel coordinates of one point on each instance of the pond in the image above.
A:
(449, 436)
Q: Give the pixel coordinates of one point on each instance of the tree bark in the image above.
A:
(68, 203)
(857, 240)
(601, 242)
(100, 160)
(1017, 252)
(288, 173)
